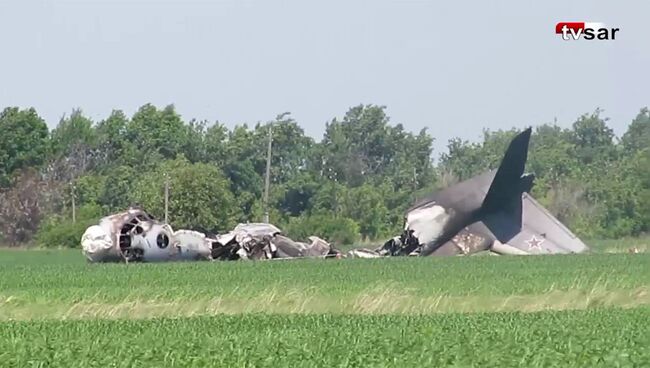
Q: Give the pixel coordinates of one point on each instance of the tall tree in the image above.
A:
(118, 186)
(23, 206)
(23, 141)
(637, 136)
(465, 159)
(643, 170)
(194, 147)
(592, 138)
(364, 147)
(365, 205)
(74, 147)
(71, 132)
(199, 197)
(114, 148)
(215, 144)
(157, 134)
(290, 149)
(358, 146)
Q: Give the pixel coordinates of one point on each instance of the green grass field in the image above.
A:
(606, 338)
(578, 310)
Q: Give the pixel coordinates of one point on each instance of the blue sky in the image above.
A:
(452, 67)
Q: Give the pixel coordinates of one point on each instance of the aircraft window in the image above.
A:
(162, 240)
(138, 230)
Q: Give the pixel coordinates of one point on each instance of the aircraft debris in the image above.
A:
(363, 253)
(135, 236)
(489, 212)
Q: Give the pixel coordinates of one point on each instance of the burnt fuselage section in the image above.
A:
(136, 236)
(492, 211)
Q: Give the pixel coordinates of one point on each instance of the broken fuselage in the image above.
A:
(136, 236)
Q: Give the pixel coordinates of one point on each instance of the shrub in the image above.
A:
(58, 231)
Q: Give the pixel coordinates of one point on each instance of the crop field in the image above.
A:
(579, 310)
(608, 338)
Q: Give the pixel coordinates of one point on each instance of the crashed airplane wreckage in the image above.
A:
(490, 212)
(136, 236)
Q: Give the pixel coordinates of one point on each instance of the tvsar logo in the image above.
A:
(586, 30)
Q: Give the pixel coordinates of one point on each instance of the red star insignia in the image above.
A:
(535, 243)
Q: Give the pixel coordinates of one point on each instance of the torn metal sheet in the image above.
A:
(266, 241)
(288, 248)
(193, 245)
(246, 241)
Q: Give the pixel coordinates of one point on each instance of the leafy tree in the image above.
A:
(357, 146)
(73, 146)
(22, 207)
(215, 144)
(23, 141)
(550, 153)
(157, 134)
(88, 189)
(60, 231)
(615, 198)
(118, 186)
(643, 171)
(465, 159)
(329, 199)
(592, 138)
(637, 136)
(73, 131)
(199, 197)
(413, 154)
(290, 149)
(114, 147)
(295, 196)
(246, 185)
(366, 206)
(363, 147)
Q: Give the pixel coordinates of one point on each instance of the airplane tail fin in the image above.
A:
(507, 183)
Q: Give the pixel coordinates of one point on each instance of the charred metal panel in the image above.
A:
(469, 242)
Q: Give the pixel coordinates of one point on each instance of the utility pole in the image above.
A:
(166, 198)
(415, 184)
(74, 207)
(267, 180)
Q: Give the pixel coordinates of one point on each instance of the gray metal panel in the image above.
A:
(540, 231)
(464, 196)
(287, 247)
(557, 238)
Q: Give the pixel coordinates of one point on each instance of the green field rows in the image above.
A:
(578, 311)
(607, 338)
(61, 285)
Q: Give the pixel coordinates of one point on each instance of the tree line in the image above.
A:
(354, 184)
